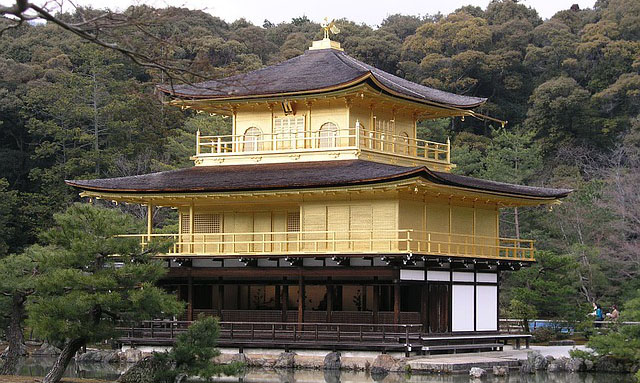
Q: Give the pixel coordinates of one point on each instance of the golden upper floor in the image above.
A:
(323, 105)
(324, 162)
(322, 131)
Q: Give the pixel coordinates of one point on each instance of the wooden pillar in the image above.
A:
(149, 221)
(220, 300)
(214, 293)
(285, 301)
(329, 301)
(191, 225)
(424, 307)
(300, 299)
(396, 302)
(277, 296)
(190, 299)
(376, 302)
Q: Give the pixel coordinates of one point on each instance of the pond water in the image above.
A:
(39, 367)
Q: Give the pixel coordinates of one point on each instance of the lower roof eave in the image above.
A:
(407, 258)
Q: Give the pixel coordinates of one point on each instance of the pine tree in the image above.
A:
(17, 273)
(89, 280)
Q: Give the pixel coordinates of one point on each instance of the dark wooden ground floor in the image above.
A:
(328, 295)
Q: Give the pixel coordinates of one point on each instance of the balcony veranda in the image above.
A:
(339, 244)
(320, 144)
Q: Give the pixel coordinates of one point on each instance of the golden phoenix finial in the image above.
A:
(329, 27)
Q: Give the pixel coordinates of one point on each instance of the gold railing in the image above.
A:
(351, 138)
(352, 243)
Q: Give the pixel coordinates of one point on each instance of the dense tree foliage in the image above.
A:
(569, 87)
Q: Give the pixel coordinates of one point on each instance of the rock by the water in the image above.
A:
(131, 355)
(500, 370)
(98, 356)
(46, 350)
(285, 360)
(588, 364)
(241, 358)
(535, 361)
(477, 373)
(558, 365)
(144, 371)
(332, 361)
(385, 363)
(576, 365)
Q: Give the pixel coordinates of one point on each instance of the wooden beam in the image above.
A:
(274, 272)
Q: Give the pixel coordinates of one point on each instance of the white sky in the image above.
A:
(371, 12)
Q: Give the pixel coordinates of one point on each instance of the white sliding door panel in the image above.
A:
(462, 307)
(487, 308)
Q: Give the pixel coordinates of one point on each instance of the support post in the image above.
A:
(300, 301)
(220, 301)
(190, 298)
(191, 226)
(285, 301)
(376, 302)
(149, 221)
(424, 306)
(396, 302)
(329, 301)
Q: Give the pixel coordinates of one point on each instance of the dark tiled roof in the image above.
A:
(294, 176)
(314, 71)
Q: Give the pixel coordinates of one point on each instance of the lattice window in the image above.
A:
(184, 222)
(293, 221)
(288, 129)
(203, 223)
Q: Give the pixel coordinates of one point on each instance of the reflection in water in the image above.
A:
(312, 376)
(40, 366)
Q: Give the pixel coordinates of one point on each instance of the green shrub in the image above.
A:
(193, 353)
(622, 342)
(543, 334)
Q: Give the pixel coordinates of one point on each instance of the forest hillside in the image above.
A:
(568, 86)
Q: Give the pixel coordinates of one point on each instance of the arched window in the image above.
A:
(252, 137)
(327, 135)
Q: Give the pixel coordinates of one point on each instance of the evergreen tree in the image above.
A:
(17, 273)
(90, 280)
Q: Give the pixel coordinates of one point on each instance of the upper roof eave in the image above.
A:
(359, 172)
(348, 71)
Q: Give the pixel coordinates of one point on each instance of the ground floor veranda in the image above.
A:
(445, 297)
(363, 304)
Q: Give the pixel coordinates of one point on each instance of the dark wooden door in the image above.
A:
(438, 308)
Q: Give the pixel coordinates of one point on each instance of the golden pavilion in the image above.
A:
(323, 217)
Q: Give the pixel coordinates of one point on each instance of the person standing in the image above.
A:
(614, 314)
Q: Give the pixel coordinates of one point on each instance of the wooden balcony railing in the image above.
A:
(308, 141)
(351, 243)
(393, 337)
